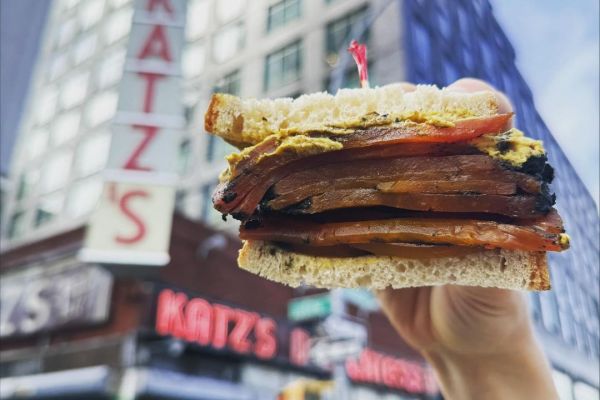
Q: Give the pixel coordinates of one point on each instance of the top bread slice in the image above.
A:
(245, 122)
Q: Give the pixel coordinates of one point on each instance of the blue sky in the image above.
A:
(556, 42)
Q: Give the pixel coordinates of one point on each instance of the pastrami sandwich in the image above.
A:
(386, 187)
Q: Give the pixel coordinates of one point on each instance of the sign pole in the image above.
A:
(341, 383)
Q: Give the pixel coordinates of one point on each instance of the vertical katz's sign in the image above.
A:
(132, 222)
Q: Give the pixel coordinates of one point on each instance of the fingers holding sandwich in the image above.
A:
(470, 85)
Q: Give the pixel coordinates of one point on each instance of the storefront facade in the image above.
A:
(199, 328)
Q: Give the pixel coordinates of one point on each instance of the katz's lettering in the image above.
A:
(124, 201)
(156, 45)
(149, 134)
(164, 5)
(150, 89)
(198, 321)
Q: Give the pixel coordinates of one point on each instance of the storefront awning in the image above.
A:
(81, 381)
(174, 385)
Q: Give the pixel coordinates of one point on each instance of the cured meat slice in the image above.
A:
(511, 206)
(488, 234)
(254, 174)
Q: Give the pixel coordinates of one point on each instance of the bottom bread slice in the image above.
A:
(508, 269)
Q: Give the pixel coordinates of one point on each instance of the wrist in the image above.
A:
(515, 373)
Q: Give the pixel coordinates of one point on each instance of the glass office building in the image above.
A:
(449, 39)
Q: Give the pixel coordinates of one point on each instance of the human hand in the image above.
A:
(478, 340)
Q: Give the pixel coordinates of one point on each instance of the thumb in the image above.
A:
(470, 85)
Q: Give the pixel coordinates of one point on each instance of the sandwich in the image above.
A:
(383, 187)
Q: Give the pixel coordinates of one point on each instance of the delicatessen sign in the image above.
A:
(132, 221)
(222, 327)
(225, 328)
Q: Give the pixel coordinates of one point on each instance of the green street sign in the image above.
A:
(309, 307)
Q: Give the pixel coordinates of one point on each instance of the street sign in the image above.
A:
(326, 351)
(309, 307)
(339, 327)
(361, 298)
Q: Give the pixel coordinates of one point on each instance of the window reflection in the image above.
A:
(111, 69)
(74, 90)
(55, 172)
(197, 19)
(48, 208)
(85, 48)
(83, 196)
(46, 106)
(193, 59)
(101, 108)
(90, 12)
(118, 25)
(229, 9)
(37, 144)
(65, 127)
(92, 154)
(283, 66)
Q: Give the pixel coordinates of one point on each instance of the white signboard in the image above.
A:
(52, 297)
(140, 225)
(326, 351)
(132, 222)
(339, 327)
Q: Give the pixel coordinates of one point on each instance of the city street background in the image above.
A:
(71, 326)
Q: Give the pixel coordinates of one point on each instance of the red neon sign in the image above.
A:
(381, 369)
(216, 325)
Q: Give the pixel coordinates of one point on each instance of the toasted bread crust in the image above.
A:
(246, 122)
(210, 118)
(518, 270)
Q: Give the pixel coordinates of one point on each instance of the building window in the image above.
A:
(118, 3)
(66, 31)
(230, 83)
(230, 9)
(46, 106)
(83, 196)
(16, 225)
(208, 213)
(91, 12)
(74, 90)
(228, 42)
(55, 172)
(351, 80)
(549, 308)
(184, 156)
(65, 127)
(68, 4)
(193, 60)
(58, 65)
(111, 69)
(92, 154)
(218, 149)
(283, 12)
(27, 182)
(101, 108)
(283, 66)
(37, 144)
(338, 31)
(197, 19)
(85, 48)
(48, 208)
(118, 25)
